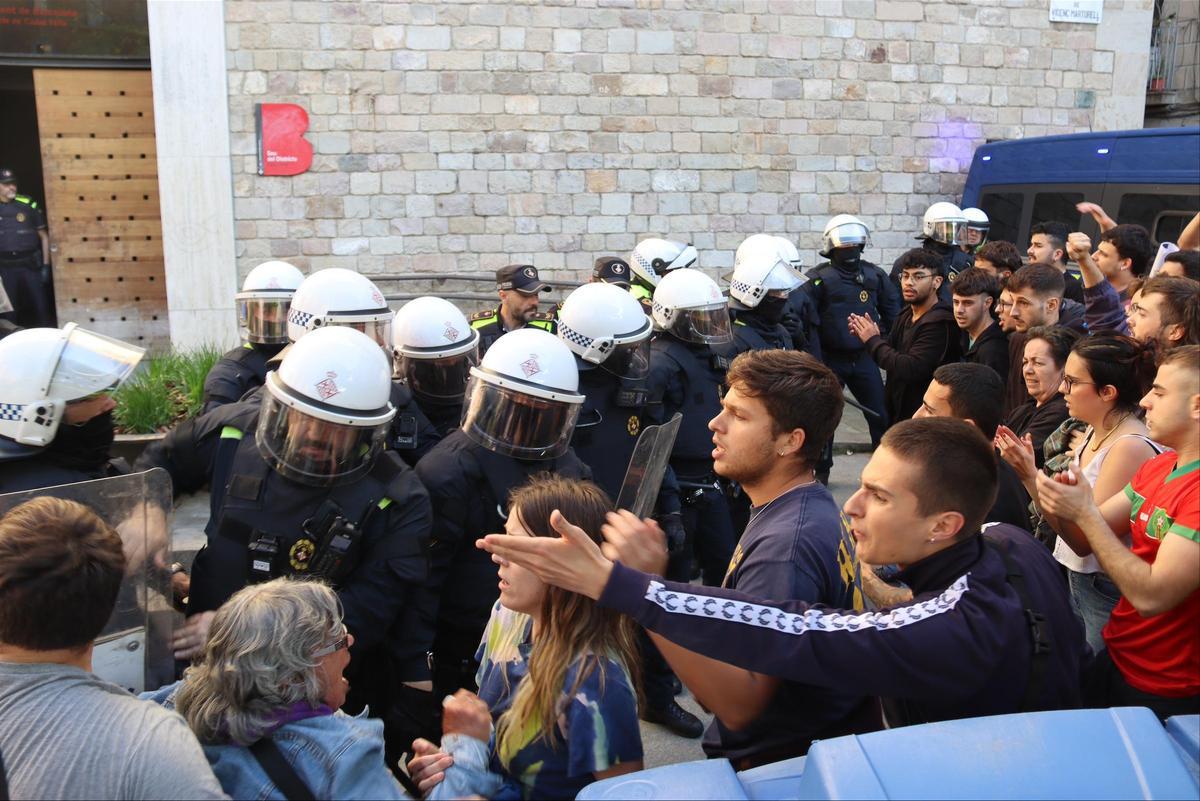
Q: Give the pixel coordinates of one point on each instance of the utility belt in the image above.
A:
(692, 488)
(21, 256)
(328, 550)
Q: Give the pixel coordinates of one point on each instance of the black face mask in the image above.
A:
(845, 258)
(84, 447)
(771, 308)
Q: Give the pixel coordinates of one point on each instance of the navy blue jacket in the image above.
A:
(837, 293)
(961, 648)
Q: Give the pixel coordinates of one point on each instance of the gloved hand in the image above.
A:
(672, 526)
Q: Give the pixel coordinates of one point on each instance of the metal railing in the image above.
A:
(439, 279)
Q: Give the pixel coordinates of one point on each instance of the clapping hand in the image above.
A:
(1017, 451)
(1066, 495)
(862, 326)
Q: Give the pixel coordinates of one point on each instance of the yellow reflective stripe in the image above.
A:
(543, 324)
(481, 322)
(229, 432)
(247, 346)
(385, 503)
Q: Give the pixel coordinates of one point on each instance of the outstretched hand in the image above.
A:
(572, 562)
(634, 542)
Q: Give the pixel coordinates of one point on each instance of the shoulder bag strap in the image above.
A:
(1040, 637)
(281, 774)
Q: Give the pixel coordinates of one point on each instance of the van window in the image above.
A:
(1164, 215)
(1057, 207)
(1004, 213)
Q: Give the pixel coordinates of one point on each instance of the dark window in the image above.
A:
(1004, 213)
(1163, 215)
(1057, 207)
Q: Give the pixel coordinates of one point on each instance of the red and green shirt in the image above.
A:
(1160, 654)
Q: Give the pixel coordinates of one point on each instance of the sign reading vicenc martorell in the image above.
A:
(83, 29)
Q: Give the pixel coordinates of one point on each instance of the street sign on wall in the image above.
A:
(282, 148)
(1085, 11)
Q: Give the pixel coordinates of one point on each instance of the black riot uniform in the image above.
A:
(367, 537)
(751, 331)
(686, 378)
(469, 486)
(77, 453)
(237, 372)
(21, 263)
(491, 327)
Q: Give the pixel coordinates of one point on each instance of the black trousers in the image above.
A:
(31, 298)
(1104, 686)
(711, 537)
(859, 373)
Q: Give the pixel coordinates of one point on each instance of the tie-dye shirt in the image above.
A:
(597, 727)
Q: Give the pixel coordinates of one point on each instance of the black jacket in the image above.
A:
(236, 373)
(991, 349)
(963, 647)
(911, 353)
(1038, 421)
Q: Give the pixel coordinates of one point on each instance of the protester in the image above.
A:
(1046, 351)
(924, 336)
(981, 341)
(1003, 307)
(962, 647)
(999, 258)
(65, 733)
(1048, 245)
(264, 698)
(1123, 254)
(1104, 378)
(556, 670)
(1037, 300)
(974, 393)
(1182, 264)
(1152, 656)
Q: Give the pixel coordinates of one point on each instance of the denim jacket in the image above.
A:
(337, 756)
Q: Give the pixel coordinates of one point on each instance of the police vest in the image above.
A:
(751, 333)
(263, 526)
(487, 323)
(845, 294)
(236, 373)
(702, 371)
(608, 427)
(18, 226)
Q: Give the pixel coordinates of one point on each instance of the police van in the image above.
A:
(1150, 177)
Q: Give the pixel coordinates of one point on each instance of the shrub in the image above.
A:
(165, 390)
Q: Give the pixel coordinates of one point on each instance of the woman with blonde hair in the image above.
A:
(557, 672)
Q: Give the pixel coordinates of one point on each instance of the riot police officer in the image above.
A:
(521, 405)
(848, 284)
(688, 359)
(604, 326)
(943, 228)
(653, 258)
(763, 279)
(302, 485)
(344, 298)
(520, 291)
(262, 309)
(56, 422)
(24, 256)
(435, 351)
(975, 232)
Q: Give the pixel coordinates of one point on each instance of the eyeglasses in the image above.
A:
(913, 278)
(1071, 383)
(336, 646)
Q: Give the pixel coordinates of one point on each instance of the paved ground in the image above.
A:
(662, 747)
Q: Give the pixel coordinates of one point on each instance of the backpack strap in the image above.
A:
(280, 772)
(1041, 638)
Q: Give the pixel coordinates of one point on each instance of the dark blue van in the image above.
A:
(1149, 177)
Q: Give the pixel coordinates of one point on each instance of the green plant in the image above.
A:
(164, 390)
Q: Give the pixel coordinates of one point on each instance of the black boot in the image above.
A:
(675, 718)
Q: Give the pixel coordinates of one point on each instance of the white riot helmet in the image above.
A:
(341, 297)
(689, 306)
(654, 258)
(943, 222)
(435, 349)
(977, 227)
(844, 230)
(605, 325)
(325, 412)
(262, 305)
(523, 399)
(44, 369)
(792, 255)
(761, 266)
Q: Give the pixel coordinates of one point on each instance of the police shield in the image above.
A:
(134, 648)
(644, 476)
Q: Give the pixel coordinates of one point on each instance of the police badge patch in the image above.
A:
(862, 296)
(633, 425)
(301, 554)
(20, 216)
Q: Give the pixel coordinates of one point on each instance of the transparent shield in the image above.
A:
(134, 648)
(647, 465)
(946, 232)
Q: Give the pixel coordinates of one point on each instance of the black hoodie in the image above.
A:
(910, 354)
(991, 349)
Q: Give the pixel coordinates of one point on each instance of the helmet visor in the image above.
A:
(379, 330)
(848, 235)
(514, 424)
(946, 231)
(708, 325)
(312, 451)
(975, 233)
(92, 363)
(443, 379)
(264, 320)
(630, 360)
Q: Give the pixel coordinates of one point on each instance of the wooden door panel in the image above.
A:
(101, 177)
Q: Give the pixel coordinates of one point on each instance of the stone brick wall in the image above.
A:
(464, 136)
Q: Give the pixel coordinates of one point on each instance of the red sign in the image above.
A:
(282, 148)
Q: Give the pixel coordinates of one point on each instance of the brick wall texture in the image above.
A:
(464, 136)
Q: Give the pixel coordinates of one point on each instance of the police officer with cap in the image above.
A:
(943, 229)
(520, 291)
(688, 359)
(762, 281)
(302, 485)
(24, 251)
(521, 405)
(56, 422)
(336, 297)
(262, 309)
(435, 351)
(612, 270)
(605, 328)
(848, 284)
